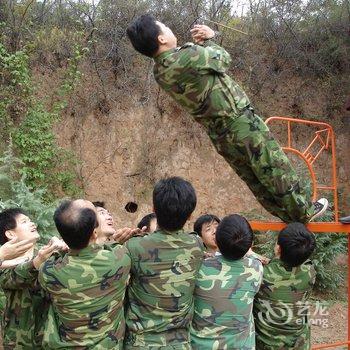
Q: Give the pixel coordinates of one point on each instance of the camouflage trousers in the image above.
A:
(286, 339)
(250, 149)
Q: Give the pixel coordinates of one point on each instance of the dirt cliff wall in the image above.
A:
(139, 136)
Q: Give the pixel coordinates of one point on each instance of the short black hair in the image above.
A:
(234, 237)
(297, 244)
(204, 219)
(143, 33)
(8, 222)
(75, 224)
(174, 200)
(146, 221)
(99, 204)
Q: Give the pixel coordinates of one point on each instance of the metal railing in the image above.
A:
(322, 140)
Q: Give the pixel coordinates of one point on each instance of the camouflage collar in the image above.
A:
(165, 54)
(286, 267)
(172, 233)
(85, 251)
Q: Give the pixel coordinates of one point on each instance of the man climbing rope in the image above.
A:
(195, 76)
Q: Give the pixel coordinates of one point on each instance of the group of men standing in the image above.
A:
(155, 291)
(72, 294)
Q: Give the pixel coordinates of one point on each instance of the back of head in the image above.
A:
(296, 243)
(204, 219)
(234, 237)
(174, 200)
(8, 222)
(143, 33)
(75, 224)
(146, 221)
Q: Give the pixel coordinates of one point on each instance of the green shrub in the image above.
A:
(14, 192)
(30, 121)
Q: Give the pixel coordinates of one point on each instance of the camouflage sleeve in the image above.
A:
(127, 251)
(219, 58)
(129, 245)
(46, 275)
(20, 276)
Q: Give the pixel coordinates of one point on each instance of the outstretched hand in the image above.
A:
(59, 244)
(13, 249)
(201, 32)
(124, 234)
(43, 254)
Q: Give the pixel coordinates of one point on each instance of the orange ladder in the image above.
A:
(322, 140)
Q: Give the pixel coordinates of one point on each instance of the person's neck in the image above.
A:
(101, 239)
(29, 253)
(212, 250)
(163, 49)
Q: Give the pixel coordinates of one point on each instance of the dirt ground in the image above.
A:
(332, 326)
(330, 323)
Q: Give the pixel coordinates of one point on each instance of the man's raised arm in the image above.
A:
(213, 56)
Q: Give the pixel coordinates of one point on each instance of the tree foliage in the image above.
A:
(30, 121)
(14, 192)
(305, 38)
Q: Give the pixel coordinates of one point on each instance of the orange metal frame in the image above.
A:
(323, 140)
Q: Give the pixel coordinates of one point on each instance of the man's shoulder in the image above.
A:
(150, 239)
(190, 50)
(218, 264)
(160, 239)
(113, 248)
(274, 269)
(307, 265)
(84, 266)
(138, 241)
(186, 46)
(211, 265)
(277, 271)
(308, 271)
(179, 55)
(110, 253)
(105, 252)
(250, 262)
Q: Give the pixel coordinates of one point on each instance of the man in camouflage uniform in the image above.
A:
(195, 76)
(281, 307)
(164, 265)
(87, 285)
(26, 303)
(25, 309)
(10, 250)
(225, 290)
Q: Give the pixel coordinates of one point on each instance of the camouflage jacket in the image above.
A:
(87, 290)
(164, 266)
(195, 76)
(281, 308)
(26, 307)
(223, 304)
